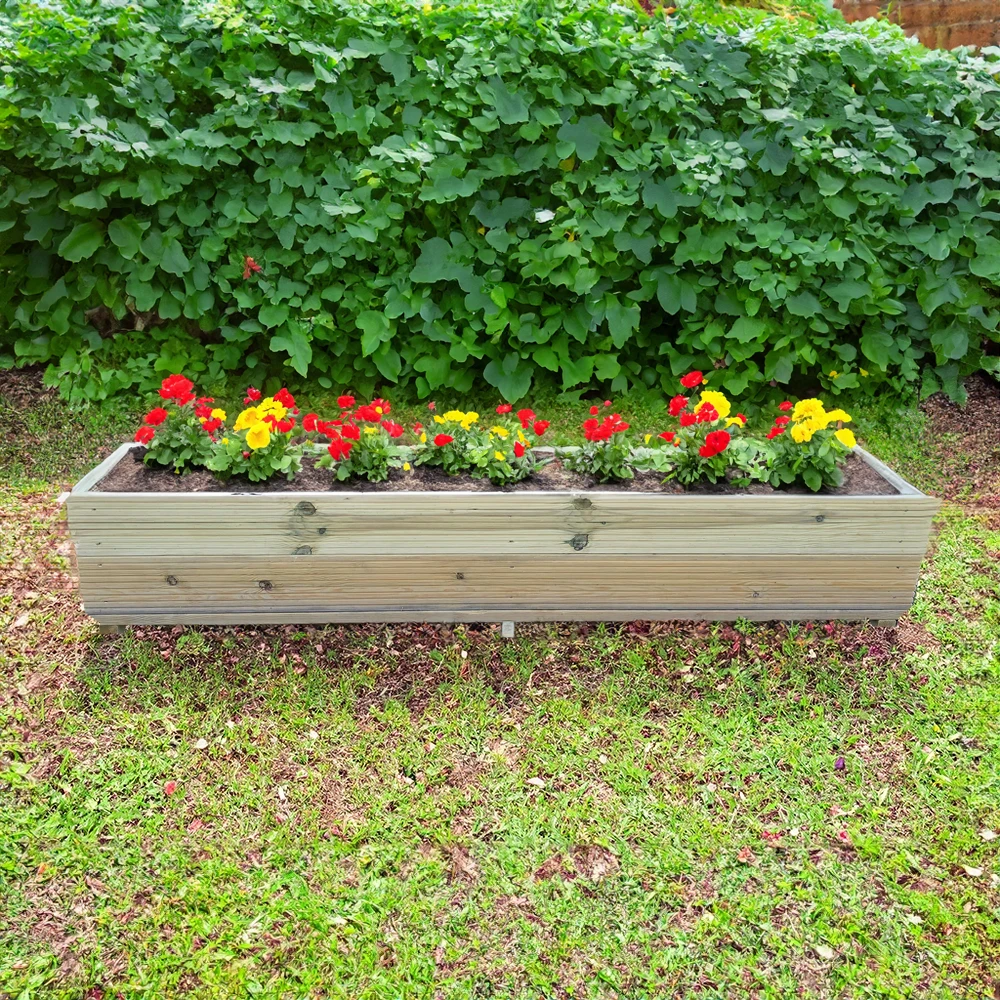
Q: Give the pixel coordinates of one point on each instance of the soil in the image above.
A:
(132, 475)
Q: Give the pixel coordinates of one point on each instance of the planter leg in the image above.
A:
(887, 622)
(110, 629)
(507, 630)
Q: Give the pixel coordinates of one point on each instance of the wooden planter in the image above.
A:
(261, 558)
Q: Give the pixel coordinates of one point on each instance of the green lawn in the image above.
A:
(420, 811)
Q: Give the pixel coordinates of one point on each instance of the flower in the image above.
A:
(774, 432)
(170, 787)
(833, 416)
(833, 373)
(715, 442)
(259, 436)
(687, 419)
(218, 414)
(541, 426)
(442, 439)
(806, 408)
(211, 425)
(519, 449)
(370, 430)
(432, 406)
(178, 388)
(500, 456)
(250, 266)
(504, 408)
(666, 435)
(382, 407)
(423, 438)
(406, 467)
(846, 437)
(738, 420)
(250, 416)
(781, 421)
(310, 422)
(802, 433)
(351, 432)
(525, 416)
(501, 432)
(284, 397)
(201, 410)
(144, 435)
(156, 416)
(785, 406)
(864, 374)
(368, 413)
(706, 413)
(603, 431)
(252, 396)
(692, 379)
(339, 449)
(676, 405)
(345, 402)
(715, 399)
(285, 426)
(594, 410)
(394, 430)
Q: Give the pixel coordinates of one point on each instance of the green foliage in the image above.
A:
(592, 195)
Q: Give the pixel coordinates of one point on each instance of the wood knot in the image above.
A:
(579, 542)
(305, 508)
(582, 503)
(265, 584)
(172, 581)
(459, 576)
(820, 518)
(303, 550)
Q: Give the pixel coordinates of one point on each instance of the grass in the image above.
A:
(631, 811)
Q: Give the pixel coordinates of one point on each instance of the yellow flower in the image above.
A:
(648, 438)
(863, 372)
(501, 432)
(846, 437)
(457, 415)
(259, 436)
(806, 409)
(481, 230)
(439, 419)
(272, 407)
(250, 416)
(423, 438)
(500, 456)
(225, 440)
(468, 420)
(522, 438)
(801, 433)
(716, 399)
(833, 416)
(406, 467)
(833, 373)
(218, 414)
(739, 421)
(370, 430)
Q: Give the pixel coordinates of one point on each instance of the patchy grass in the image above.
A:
(630, 811)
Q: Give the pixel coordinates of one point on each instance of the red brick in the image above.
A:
(861, 11)
(934, 13)
(980, 35)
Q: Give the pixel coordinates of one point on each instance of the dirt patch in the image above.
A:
(132, 475)
(587, 861)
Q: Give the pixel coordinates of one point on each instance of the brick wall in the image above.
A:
(939, 24)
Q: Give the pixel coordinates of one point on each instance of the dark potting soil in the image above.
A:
(132, 475)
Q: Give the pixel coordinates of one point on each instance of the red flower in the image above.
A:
(345, 402)
(369, 414)
(432, 406)
(310, 422)
(202, 410)
(707, 414)
(687, 419)
(418, 427)
(667, 435)
(525, 416)
(594, 410)
(519, 449)
(395, 430)
(775, 432)
(169, 788)
(715, 442)
(607, 402)
(212, 425)
(786, 406)
(351, 431)
(691, 380)
(541, 426)
(252, 396)
(442, 439)
(339, 449)
(382, 407)
(781, 421)
(284, 426)
(742, 416)
(677, 404)
(589, 425)
(246, 454)
(156, 416)
(594, 431)
(250, 266)
(504, 408)
(144, 435)
(286, 399)
(177, 388)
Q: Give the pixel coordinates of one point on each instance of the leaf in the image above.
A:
(952, 343)
(622, 320)
(510, 106)
(272, 313)
(512, 377)
(173, 259)
(987, 834)
(875, 345)
(376, 329)
(439, 261)
(295, 342)
(824, 951)
(585, 135)
(972, 872)
(201, 744)
(803, 304)
(125, 234)
(674, 292)
(986, 263)
(82, 241)
(536, 782)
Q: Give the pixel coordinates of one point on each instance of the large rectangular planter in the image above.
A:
(296, 557)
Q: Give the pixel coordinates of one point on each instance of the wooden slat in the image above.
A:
(437, 583)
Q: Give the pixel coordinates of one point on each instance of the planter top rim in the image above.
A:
(906, 491)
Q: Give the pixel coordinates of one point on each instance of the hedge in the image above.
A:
(578, 192)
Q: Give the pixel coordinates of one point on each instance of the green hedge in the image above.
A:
(442, 194)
